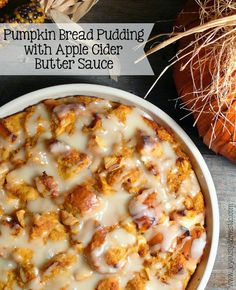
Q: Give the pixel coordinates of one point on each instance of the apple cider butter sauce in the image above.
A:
(96, 196)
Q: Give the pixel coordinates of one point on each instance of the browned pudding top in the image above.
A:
(95, 195)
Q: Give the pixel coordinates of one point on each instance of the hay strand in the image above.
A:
(224, 21)
(212, 50)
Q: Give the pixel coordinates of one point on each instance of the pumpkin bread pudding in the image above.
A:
(96, 195)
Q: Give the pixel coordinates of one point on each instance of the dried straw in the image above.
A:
(216, 34)
(225, 21)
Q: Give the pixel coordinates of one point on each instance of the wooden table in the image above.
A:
(163, 12)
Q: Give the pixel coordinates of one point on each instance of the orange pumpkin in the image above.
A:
(215, 118)
(3, 3)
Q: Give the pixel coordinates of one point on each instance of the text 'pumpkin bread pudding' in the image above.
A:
(96, 196)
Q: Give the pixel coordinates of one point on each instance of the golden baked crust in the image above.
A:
(96, 196)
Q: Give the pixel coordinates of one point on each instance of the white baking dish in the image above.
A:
(203, 272)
